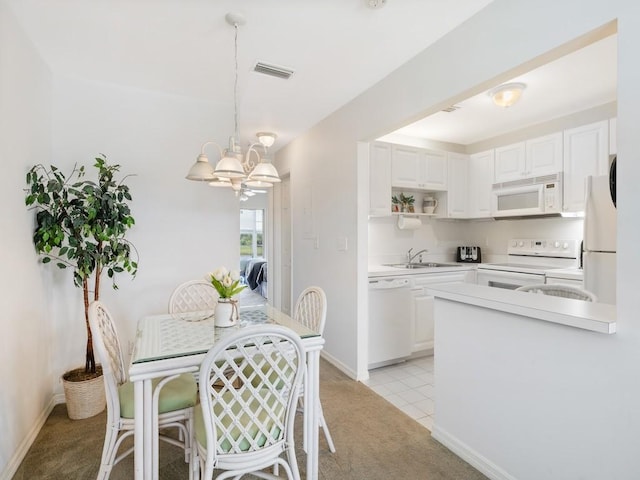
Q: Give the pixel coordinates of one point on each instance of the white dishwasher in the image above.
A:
(391, 314)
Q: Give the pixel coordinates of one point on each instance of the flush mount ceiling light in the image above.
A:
(507, 94)
(235, 169)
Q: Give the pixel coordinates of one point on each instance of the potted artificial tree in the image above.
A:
(81, 224)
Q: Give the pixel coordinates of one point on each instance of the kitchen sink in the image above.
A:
(422, 265)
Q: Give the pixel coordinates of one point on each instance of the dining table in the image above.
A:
(168, 345)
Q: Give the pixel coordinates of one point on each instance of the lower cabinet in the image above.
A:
(422, 331)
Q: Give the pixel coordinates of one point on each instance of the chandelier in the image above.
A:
(234, 169)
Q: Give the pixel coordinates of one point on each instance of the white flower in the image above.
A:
(235, 275)
(220, 273)
(227, 281)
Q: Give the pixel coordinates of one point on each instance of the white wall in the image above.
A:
(503, 36)
(25, 349)
(183, 229)
(525, 399)
(389, 244)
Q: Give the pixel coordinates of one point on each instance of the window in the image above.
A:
(251, 236)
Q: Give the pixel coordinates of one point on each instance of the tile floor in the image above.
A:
(409, 386)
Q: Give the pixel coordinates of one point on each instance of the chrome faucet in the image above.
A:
(410, 257)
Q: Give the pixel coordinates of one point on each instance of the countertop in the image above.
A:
(597, 317)
(384, 270)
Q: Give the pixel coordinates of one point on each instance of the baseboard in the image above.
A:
(22, 450)
(339, 365)
(469, 455)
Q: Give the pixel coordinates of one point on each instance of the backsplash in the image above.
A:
(441, 237)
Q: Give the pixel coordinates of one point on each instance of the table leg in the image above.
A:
(311, 410)
(138, 440)
(147, 431)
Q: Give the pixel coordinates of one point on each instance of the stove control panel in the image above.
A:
(543, 247)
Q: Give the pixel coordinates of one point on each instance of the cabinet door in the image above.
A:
(423, 336)
(380, 179)
(480, 183)
(433, 171)
(406, 166)
(457, 192)
(423, 330)
(586, 152)
(510, 162)
(544, 155)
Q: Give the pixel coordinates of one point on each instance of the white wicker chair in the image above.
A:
(175, 403)
(559, 290)
(193, 296)
(311, 311)
(249, 385)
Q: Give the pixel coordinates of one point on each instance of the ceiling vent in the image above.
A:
(273, 70)
(451, 109)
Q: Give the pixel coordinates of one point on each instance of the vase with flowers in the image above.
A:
(227, 284)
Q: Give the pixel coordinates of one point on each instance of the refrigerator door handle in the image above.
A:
(587, 199)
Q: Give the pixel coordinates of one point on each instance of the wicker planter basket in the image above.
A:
(84, 399)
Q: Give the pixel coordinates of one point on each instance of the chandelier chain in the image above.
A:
(235, 85)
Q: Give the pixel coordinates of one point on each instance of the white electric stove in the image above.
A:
(528, 260)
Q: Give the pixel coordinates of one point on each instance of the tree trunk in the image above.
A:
(90, 361)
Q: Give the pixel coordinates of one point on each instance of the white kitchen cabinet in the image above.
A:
(423, 318)
(544, 155)
(510, 162)
(533, 158)
(457, 191)
(417, 168)
(480, 183)
(586, 152)
(380, 179)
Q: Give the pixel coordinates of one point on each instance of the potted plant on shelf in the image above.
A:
(395, 204)
(407, 202)
(81, 224)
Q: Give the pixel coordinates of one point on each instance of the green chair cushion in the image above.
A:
(179, 393)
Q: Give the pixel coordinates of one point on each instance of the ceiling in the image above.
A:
(337, 48)
(576, 82)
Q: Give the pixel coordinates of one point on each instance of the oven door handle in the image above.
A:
(515, 275)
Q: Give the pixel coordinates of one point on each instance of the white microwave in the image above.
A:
(532, 196)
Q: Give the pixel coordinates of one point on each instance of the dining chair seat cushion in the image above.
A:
(251, 429)
(179, 393)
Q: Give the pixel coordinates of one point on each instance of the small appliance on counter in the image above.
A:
(468, 255)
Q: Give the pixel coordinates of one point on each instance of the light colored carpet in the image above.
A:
(374, 441)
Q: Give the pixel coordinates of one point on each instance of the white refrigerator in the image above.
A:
(599, 255)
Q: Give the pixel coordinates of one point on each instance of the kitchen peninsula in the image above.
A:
(519, 376)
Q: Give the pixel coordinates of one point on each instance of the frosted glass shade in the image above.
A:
(508, 94)
(201, 171)
(265, 172)
(229, 167)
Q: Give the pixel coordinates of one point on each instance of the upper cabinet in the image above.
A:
(533, 158)
(379, 179)
(481, 175)
(418, 168)
(458, 191)
(586, 152)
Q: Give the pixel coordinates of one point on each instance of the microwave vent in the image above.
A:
(556, 177)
